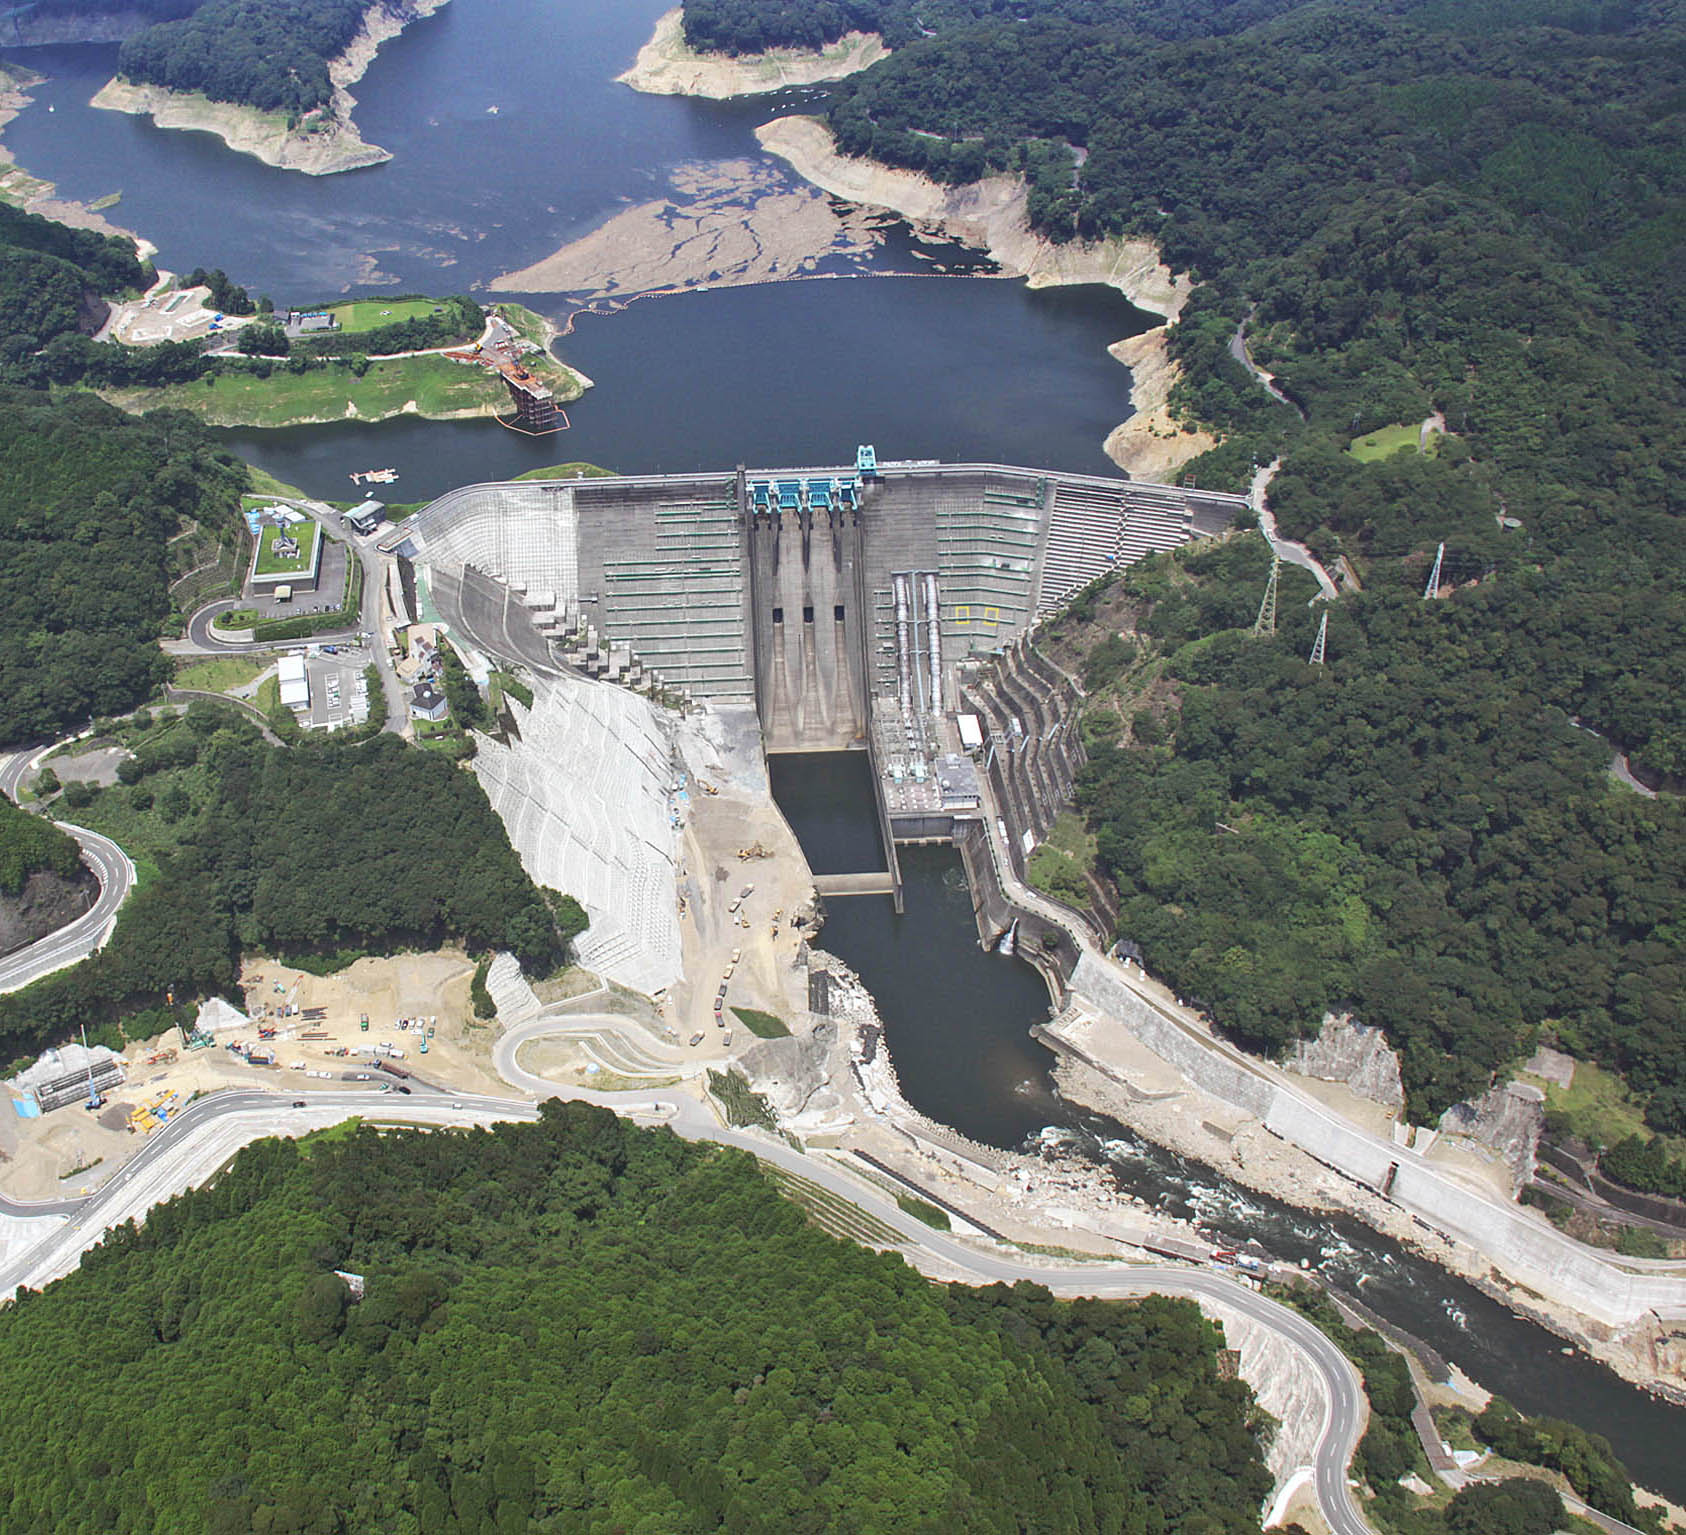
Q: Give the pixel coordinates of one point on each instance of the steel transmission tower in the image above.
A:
(1433, 587)
(1320, 645)
(1265, 623)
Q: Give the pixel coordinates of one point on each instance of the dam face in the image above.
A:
(807, 606)
(842, 601)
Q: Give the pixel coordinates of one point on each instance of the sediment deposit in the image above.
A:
(726, 222)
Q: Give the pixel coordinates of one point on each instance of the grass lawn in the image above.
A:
(568, 472)
(270, 563)
(924, 1210)
(1385, 441)
(219, 674)
(762, 1025)
(235, 618)
(372, 313)
(269, 694)
(431, 386)
(534, 327)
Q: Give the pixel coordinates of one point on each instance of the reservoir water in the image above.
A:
(795, 374)
(951, 369)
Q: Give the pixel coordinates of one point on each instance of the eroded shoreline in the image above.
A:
(992, 214)
(668, 66)
(322, 145)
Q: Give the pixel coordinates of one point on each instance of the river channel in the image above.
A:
(789, 374)
(957, 1019)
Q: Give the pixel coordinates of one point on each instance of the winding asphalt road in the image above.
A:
(690, 1119)
(200, 1140)
(78, 939)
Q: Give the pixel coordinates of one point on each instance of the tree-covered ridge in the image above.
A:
(51, 279)
(29, 845)
(268, 54)
(88, 499)
(751, 26)
(577, 1325)
(323, 848)
(1417, 215)
(1414, 831)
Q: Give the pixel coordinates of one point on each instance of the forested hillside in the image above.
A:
(272, 55)
(325, 848)
(577, 1325)
(51, 279)
(88, 499)
(1474, 213)
(29, 845)
(1413, 831)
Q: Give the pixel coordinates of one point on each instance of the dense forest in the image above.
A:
(1413, 831)
(51, 279)
(29, 845)
(578, 1325)
(750, 26)
(323, 848)
(1473, 213)
(88, 499)
(268, 54)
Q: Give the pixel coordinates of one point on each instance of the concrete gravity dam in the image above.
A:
(817, 594)
(846, 606)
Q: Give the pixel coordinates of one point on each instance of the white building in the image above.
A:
(295, 683)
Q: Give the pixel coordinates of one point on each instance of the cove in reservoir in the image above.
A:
(956, 1022)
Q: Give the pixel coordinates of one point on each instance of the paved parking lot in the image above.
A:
(337, 693)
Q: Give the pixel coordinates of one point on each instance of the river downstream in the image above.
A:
(957, 1020)
(790, 374)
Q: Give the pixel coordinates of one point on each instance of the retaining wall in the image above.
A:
(1521, 1245)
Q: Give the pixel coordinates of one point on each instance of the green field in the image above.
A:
(1059, 867)
(219, 674)
(1385, 441)
(1596, 1106)
(266, 485)
(526, 323)
(372, 313)
(430, 386)
(305, 534)
(568, 472)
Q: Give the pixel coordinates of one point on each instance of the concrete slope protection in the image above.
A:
(191, 1148)
(1607, 1290)
(75, 940)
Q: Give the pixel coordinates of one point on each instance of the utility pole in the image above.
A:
(1265, 623)
(1433, 587)
(1320, 644)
